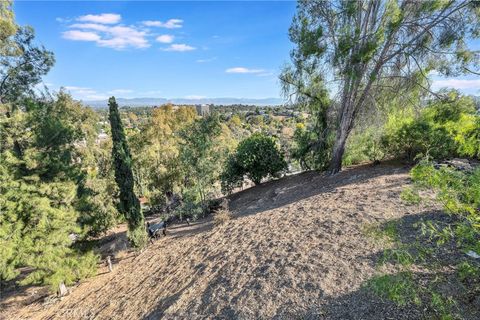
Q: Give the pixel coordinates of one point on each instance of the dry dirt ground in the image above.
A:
(295, 248)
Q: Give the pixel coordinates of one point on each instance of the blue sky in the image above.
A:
(170, 49)
(163, 49)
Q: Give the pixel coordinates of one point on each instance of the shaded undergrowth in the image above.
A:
(415, 271)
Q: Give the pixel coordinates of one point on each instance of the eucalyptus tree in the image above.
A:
(358, 48)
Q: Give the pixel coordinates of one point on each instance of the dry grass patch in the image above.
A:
(222, 216)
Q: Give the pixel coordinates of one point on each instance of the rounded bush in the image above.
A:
(256, 157)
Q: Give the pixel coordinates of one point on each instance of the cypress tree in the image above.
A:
(129, 204)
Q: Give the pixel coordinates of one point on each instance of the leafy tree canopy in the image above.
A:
(357, 47)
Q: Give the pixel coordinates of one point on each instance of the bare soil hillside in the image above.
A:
(295, 248)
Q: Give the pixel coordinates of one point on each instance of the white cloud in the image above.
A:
(180, 47)
(243, 70)
(92, 26)
(85, 93)
(170, 24)
(206, 60)
(106, 31)
(152, 23)
(95, 97)
(105, 18)
(165, 38)
(173, 24)
(457, 83)
(195, 97)
(77, 35)
(122, 37)
(116, 37)
(120, 91)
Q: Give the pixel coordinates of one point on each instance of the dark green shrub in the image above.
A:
(97, 206)
(313, 142)
(419, 138)
(307, 148)
(256, 157)
(363, 146)
(232, 176)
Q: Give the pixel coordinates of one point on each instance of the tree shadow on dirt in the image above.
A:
(11, 291)
(177, 231)
(290, 189)
(361, 303)
(433, 272)
(163, 304)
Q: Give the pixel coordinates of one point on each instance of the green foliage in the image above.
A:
(35, 226)
(309, 149)
(8, 28)
(38, 192)
(467, 270)
(192, 206)
(23, 66)
(459, 193)
(352, 44)
(58, 128)
(442, 306)
(387, 231)
(156, 150)
(467, 135)
(410, 196)
(202, 153)
(98, 212)
(390, 230)
(232, 175)
(399, 255)
(313, 138)
(363, 146)
(399, 288)
(419, 138)
(257, 157)
(444, 128)
(129, 203)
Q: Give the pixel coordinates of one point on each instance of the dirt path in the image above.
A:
(294, 249)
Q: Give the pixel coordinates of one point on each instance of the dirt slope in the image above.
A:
(295, 249)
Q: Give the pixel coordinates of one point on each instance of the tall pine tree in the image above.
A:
(129, 204)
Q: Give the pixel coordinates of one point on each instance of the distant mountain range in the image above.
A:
(137, 102)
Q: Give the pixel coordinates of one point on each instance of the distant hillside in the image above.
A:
(135, 102)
